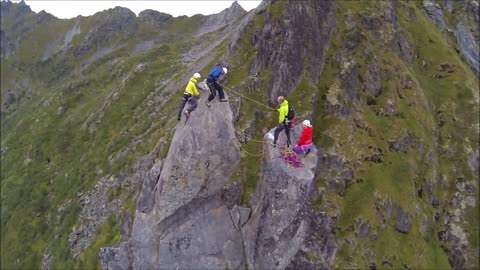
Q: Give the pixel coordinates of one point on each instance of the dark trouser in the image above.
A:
(192, 104)
(182, 105)
(213, 85)
(278, 130)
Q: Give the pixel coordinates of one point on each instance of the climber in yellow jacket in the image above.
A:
(191, 95)
(283, 121)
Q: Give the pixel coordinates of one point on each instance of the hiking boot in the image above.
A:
(274, 144)
(187, 114)
(223, 100)
(207, 103)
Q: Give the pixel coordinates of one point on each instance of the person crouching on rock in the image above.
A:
(213, 84)
(305, 143)
(191, 95)
(282, 121)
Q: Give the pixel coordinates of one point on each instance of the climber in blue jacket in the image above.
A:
(212, 79)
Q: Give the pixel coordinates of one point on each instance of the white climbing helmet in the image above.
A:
(225, 70)
(306, 123)
(197, 75)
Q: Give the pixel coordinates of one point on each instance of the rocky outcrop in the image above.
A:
(319, 249)
(373, 82)
(70, 34)
(181, 220)
(434, 12)
(465, 30)
(154, 18)
(217, 21)
(16, 10)
(278, 225)
(301, 24)
(100, 203)
(14, 15)
(468, 46)
(7, 45)
(183, 217)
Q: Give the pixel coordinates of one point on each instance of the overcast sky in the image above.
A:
(71, 9)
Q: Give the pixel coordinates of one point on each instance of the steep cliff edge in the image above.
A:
(173, 223)
(279, 224)
(184, 221)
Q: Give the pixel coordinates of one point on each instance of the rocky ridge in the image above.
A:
(200, 228)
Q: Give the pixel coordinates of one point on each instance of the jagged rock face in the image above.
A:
(8, 46)
(434, 12)
(235, 11)
(217, 21)
(469, 46)
(19, 10)
(154, 17)
(278, 226)
(17, 13)
(181, 220)
(301, 24)
(393, 183)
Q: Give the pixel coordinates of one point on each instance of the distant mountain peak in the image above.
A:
(235, 8)
(18, 8)
(236, 5)
(154, 17)
(227, 15)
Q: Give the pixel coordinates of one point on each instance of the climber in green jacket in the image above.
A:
(190, 95)
(283, 121)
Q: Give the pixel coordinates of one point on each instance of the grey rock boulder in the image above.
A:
(277, 228)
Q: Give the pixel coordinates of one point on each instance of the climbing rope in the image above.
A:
(259, 103)
(286, 154)
(242, 148)
(251, 99)
(250, 154)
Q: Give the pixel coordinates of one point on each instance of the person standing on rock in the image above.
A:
(191, 95)
(283, 121)
(305, 143)
(212, 83)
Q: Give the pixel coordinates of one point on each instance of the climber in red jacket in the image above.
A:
(305, 143)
